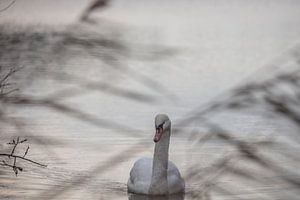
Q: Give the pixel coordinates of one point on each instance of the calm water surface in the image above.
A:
(192, 50)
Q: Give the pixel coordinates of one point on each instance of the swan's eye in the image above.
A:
(160, 126)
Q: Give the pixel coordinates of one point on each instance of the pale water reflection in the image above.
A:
(145, 197)
(121, 72)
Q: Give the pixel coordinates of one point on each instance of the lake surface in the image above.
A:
(140, 58)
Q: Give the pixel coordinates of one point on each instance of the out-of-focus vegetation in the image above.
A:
(268, 162)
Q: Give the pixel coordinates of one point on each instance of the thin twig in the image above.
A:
(26, 152)
(11, 71)
(20, 157)
(15, 145)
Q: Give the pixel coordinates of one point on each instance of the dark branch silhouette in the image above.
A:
(8, 6)
(15, 157)
(95, 5)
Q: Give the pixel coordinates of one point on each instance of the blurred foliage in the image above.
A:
(44, 54)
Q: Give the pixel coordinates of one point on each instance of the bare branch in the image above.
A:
(15, 145)
(26, 152)
(14, 166)
(20, 157)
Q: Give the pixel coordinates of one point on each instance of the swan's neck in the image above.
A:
(159, 181)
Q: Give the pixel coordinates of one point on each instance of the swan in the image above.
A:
(157, 176)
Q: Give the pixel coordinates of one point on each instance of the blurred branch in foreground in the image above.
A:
(95, 5)
(7, 87)
(70, 111)
(46, 55)
(268, 162)
(252, 161)
(8, 6)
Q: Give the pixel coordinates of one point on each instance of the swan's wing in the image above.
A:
(141, 170)
(175, 181)
(140, 176)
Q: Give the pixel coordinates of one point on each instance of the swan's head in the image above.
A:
(162, 123)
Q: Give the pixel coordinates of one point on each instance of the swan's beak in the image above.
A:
(158, 134)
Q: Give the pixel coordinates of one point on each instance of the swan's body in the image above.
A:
(157, 176)
(141, 174)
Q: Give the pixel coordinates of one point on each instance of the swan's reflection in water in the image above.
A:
(148, 197)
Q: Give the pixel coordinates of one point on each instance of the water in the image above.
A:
(181, 54)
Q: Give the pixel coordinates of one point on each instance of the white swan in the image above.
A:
(157, 176)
